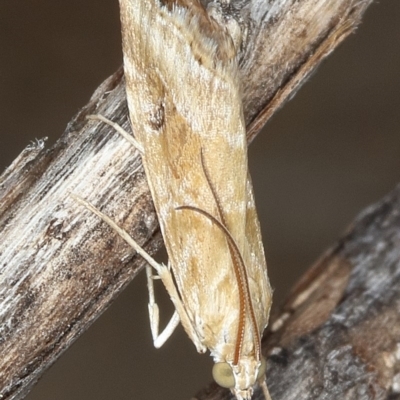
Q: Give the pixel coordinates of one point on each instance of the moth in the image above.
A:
(183, 93)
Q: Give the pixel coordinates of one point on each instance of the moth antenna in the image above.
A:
(214, 192)
(241, 277)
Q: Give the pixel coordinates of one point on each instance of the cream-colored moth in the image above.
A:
(186, 112)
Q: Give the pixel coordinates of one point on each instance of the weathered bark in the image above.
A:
(61, 266)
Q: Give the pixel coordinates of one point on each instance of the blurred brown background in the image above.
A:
(329, 153)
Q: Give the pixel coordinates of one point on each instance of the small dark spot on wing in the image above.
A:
(157, 117)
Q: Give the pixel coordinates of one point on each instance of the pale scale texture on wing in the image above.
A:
(184, 99)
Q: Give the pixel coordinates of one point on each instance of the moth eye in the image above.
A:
(223, 375)
(262, 369)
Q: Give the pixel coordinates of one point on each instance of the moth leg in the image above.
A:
(265, 390)
(119, 129)
(166, 277)
(154, 313)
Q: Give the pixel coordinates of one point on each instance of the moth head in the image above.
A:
(240, 378)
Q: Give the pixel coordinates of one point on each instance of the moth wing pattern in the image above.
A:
(184, 101)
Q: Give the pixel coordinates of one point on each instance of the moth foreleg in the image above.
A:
(165, 275)
(119, 129)
(158, 339)
(154, 314)
(180, 314)
(169, 283)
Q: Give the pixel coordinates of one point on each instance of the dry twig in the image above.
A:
(61, 266)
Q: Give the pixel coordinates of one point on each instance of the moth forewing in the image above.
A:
(185, 107)
(256, 265)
